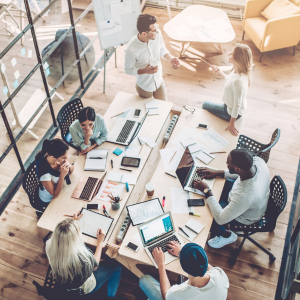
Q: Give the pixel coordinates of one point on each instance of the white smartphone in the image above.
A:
(132, 247)
(137, 113)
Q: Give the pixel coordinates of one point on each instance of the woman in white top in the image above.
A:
(236, 87)
(74, 265)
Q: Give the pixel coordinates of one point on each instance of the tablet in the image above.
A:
(144, 211)
(91, 221)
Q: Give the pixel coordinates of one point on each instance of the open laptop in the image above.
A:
(186, 173)
(125, 131)
(157, 233)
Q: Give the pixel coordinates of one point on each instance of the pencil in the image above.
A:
(68, 216)
(173, 156)
(141, 149)
(117, 114)
(217, 152)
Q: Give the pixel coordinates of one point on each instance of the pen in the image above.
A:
(171, 174)
(217, 152)
(105, 211)
(140, 141)
(194, 214)
(127, 187)
(164, 198)
(125, 169)
(141, 149)
(117, 114)
(191, 229)
(95, 158)
(173, 156)
(112, 164)
(68, 216)
(183, 231)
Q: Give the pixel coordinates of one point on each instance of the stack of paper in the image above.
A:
(123, 178)
(171, 158)
(108, 188)
(192, 228)
(152, 108)
(147, 140)
(192, 144)
(96, 160)
(132, 151)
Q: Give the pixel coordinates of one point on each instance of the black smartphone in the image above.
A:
(132, 247)
(137, 113)
(196, 202)
(203, 126)
(92, 206)
(130, 162)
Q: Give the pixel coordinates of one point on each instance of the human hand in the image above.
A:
(100, 236)
(66, 163)
(86, 150)
(200, 185)
(174, 62)
(64, 170)
(159, 256)
(215, 69)
(150, 70)
(208, 173)
(88, 133)
(174, 248)
(231, 127)
(77, 216)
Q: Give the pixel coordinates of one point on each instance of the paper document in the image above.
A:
(123, 178)
(187, 142)
(192, 228)
(208, 25)
(147, 140)
(179, 199)
(119, 8)
(110, 26)
(221, 24)
(185, 133)
(204, 35)
(91, 221)
(183, 31)
(195, 20)
(214, 140)
(132, 151)
(126, 114)
(152, 107)
(171, 164)
(108, 188)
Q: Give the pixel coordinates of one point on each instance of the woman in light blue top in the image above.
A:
(89, 130)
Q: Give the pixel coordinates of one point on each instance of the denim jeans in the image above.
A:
(216, 229)
(219, 110)
(108, 271)
(150, 287)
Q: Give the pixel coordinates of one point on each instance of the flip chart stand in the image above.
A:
(106, 53)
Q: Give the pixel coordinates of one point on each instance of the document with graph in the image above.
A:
(144, 211)
(91, 221)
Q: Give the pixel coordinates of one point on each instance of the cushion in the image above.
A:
(296, 2)
(255, 28)
(280, 8)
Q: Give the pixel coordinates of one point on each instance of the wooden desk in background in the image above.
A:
(64, 204)
(164, 182)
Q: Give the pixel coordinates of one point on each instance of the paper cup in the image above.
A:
(150, 188)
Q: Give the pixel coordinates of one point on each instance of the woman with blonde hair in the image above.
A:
(236, 87)
(75, 266)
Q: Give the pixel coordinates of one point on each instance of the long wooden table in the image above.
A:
(164, 182)
(64, 204)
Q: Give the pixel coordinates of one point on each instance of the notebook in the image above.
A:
(152, 107)
(192, 144)
(192, 228)
(96, 160)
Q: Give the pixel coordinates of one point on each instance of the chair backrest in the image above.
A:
(30, 184)
(277, 200)
(265, 153)
(66, 116)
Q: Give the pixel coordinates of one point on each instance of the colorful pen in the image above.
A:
(194, 214)
(127, 187)
(164, 198)
(105, 211)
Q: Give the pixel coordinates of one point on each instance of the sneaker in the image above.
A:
(219, 241)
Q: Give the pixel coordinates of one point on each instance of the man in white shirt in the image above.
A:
(142, 58)
(205, 282)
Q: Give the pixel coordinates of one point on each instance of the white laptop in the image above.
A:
(125, 130)
(158, 232)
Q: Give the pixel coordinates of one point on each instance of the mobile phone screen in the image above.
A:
(92, 206)
(132, 246)
(137, 112)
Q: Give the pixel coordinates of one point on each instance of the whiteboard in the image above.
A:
(116, 21)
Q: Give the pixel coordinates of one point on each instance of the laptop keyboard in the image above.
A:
(195, 177)
(163, 244)
(88, 188)
(127, 128)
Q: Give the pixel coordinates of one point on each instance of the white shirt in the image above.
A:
(216, 288)
(138, 55)
(235, 92)
(44, 194)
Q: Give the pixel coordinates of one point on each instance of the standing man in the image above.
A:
(142, 58)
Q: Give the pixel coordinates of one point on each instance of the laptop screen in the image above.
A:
(185, 166)
(156, 228)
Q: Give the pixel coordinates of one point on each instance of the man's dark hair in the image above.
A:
(242, 158)
(144, 21)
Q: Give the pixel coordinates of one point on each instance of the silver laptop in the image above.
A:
(158, 232)
(125, 131)
(187, 173)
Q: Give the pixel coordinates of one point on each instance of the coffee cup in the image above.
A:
(153, 63)
(150, 188)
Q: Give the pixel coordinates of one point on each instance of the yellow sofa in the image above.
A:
(272, 34)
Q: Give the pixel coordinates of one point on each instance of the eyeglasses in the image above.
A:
(190, 109)
(154, 31)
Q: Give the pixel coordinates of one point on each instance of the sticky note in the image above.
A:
(17, 74)
(46, 66)
(5, 90)
(13, 61)
(3, 68)
(23, 51)
(47, 72)
(118, 151)
(16, 83)
(29, 53)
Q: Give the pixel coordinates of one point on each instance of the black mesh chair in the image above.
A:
(261, 150)
(66, 116)
(276, 204)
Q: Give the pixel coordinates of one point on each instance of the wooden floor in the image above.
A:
(273, 101)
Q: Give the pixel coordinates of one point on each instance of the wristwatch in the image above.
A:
(206, 191)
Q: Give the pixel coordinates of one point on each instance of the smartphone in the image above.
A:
(203, 126)
(130, 162)
(196, 202)
(92, 206)
(137, 113)
(132, 247)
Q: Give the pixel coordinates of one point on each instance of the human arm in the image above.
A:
(101, 127)
(173, 61)
(78, 139)
(159, 258)
(100, 239)
(216, 70)
(69, 165)
(208, 173)
(231, 127)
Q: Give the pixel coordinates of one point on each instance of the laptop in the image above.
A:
(187, 173)
(87, 188)
(158, 232)
(125, 131)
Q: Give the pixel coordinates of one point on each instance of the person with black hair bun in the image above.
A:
(52, 168)
(89, 130)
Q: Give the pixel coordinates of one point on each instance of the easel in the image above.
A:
(105, 56)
